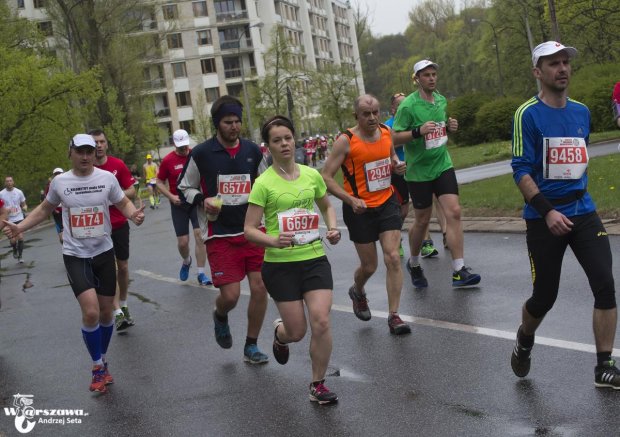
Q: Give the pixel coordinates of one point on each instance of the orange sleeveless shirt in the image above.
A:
(367, 168)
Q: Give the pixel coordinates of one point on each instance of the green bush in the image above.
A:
(464, 109)
(592, 85)
(494, 118)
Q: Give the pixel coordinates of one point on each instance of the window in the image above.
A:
(183, 98)
(187, 125)
(170, 12)
(212, 94)
(38, 4)
(208, 66)
(232, 67)
(20, 4)
(174, 41)
(200, 9)
(224, 6)
(203, 37)
(45, 27)
(178, 69)
(235, 90)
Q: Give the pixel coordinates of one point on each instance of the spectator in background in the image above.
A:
(616, 103)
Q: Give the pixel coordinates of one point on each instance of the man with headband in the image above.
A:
(228, 166)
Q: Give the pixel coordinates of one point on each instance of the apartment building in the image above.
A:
(212, 47)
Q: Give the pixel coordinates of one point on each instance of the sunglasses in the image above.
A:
(395, 96)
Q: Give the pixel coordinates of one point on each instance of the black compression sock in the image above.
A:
(250, 340)
(525, 341)
(602, 357)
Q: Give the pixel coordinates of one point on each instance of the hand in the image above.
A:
(285, 239)
(333, 236)
(558, 223)
(138, 216)
(399, 167)
(175, 199)
(428, 127)
(358, 205)
(453, 124)
(210, 205)
(11, 230)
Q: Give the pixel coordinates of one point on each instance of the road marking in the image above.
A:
(506, 335)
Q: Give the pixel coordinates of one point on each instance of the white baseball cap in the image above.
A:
(180, 138)
(58, 170)
(419, 66)
(551, 48)
(83, 140)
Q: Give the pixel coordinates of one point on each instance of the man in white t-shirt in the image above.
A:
(86, 194)
(15, 202)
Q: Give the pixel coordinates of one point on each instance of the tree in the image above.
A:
(105, 35)
(42, 105)
(334, 90)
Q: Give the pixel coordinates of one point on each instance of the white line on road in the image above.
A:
(507, 335)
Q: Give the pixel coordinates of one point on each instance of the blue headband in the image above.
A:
(227, 109)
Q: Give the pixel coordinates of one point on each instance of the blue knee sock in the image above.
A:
(106, 336)
(92, 339)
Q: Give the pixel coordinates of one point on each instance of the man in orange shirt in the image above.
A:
(370, 210)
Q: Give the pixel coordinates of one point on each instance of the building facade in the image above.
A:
(212, 47)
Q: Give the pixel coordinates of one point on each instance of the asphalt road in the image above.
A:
(450, 377)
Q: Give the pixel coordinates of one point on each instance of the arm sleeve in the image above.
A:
(523, 145)
(52, 196)
(162, 173)
(189, 182)
(124, 176)
(116, 192)
(402, 120)
(258, 195)
(319, 185)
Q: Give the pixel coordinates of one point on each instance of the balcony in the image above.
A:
(164, 112)
(227, 17)
(233, 73)
(158, 82)
(233, 44)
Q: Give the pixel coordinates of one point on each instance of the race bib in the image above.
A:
(378, 175)
(234, 188)
(438, 137)
(564, 158)
(302, 222)
(87, 221)
(14, 210)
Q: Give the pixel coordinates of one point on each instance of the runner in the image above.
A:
(120, 227)
(421, 122)
(399, 184)
(228, 166)
(296, 270)
(149, 172)
(86, 194)
(182, 213)
(15, 202)
(549, 162)
(57, 214)
(369, 207)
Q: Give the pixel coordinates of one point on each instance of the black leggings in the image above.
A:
(589, 242)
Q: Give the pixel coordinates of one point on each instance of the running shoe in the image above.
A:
(128, 318)
(607, 375)
(417, 276)
(98, 382)
(360, 304)
(222, 333)
(120, 322)
(253, 355)
(321, 394)
(280, 350)
(397, 326)
(204, 279)
(20, 260)
(465, 278)
(428, 250)
(521, 358)
(107, 378)
(184, 272)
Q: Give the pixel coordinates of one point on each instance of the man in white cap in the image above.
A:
(549, 162)
(86, 194)
(182, 212)
(421, 123)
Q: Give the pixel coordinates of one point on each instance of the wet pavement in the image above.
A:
(450, 377)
